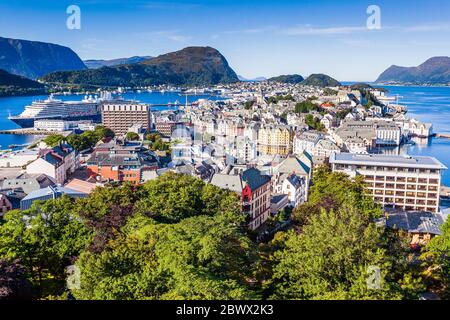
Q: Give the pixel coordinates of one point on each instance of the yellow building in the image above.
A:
(274, 139)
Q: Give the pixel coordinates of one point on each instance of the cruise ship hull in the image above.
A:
(29, 122)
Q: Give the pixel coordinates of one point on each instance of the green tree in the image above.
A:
(330, 259)
(306, 106)
(314, 123)
(45, 238)
(181, 197)
(103, 132)
(132, 136)
(53, 140)
(197, 258)
(332, 191)
(436, 260)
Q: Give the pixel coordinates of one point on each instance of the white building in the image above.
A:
(17, 159)
(57, 163)
(411, 183)
(53, 125)
(295, 187)
(306, 141)
(388, 134)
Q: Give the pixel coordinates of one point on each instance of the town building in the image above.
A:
(254, 190)
(300, 166)
(274, 139)
(17, 159)
(167, 128)
(57, 163)
(410, 183)
(51, 192)
(388, 134)
(121, 115)
(278, 203)
(421, 226)
(120, 162)
(10, 200)
(27, 182)
(295, 188)
(5, 204)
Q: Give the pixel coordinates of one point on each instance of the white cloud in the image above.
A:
(311, 30)
(172, 35)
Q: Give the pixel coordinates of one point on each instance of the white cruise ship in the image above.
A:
(51, 108)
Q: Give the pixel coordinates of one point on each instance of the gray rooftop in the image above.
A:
(405, 161)
(416, 222)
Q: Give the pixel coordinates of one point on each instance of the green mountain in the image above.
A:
(96, 64)
(190, 66)
(13, 85)
(34, 59)
(290, 78)
(321, 80)
(434, 71)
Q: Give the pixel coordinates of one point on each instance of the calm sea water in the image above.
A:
(427, 104)
(15, 105)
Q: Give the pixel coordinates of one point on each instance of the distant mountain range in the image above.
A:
(96, 64)
(33, 59)
(290, 78)
(258, 79)
(317, 80)
(321, 80)
(11, 85)
(434, 71)
(190, 66)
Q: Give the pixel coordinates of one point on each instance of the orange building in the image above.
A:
(120, 163)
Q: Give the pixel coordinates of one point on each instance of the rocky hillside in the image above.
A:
(434, 71)
(321, 80)
(291, 78)
(190, 66)
(34, 59)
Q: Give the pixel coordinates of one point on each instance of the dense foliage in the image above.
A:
(132, 136)
(314, 123)
(14, 85)
(178, 238)
(306, 106)
(157, 143)
(333, 191)
(190, 66)
(291, 78)
(277, 99)
(81, 141)
(321, 80)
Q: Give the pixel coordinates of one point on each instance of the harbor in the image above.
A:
(33, 132)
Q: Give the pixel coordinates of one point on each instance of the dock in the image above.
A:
(445, 191)
(443, 135)
(32, 132)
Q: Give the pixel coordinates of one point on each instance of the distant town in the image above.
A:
(243, 186)
(262, 140)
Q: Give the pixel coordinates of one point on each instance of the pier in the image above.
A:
(445, 192)
(32, 132)
(443, 135)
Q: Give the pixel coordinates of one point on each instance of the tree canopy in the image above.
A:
(177, 237)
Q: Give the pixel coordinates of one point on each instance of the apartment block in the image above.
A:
(410, 183)
(121, 116)
(274, 140)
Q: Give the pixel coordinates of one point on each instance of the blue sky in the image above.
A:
(258, 38)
